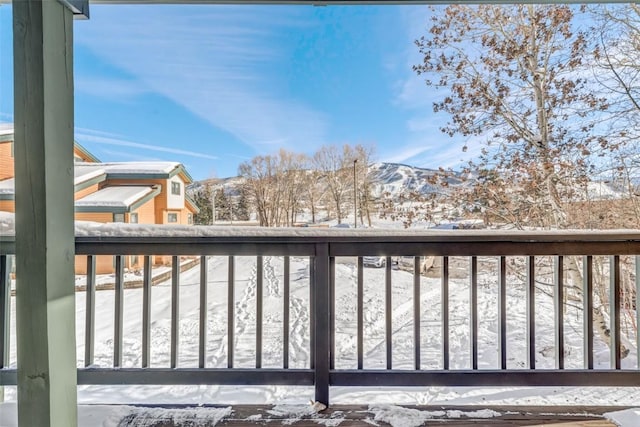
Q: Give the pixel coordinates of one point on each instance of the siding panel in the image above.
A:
(7, 205)
(6, 161)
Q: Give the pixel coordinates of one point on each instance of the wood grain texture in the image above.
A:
(349, 416)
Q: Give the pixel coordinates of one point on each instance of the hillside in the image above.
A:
(396, 178)
(388, 178)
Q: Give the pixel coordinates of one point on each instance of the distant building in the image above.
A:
(127, 192)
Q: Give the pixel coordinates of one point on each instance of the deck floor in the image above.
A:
(349, 416)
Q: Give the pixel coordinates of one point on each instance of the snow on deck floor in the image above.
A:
(379, 415)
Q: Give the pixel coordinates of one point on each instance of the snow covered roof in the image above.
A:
(7, 189)
(134, 170)
(86, 174)
(117, 199)
(6, 132)
(82, 179)
(86, 153)
(82, 175)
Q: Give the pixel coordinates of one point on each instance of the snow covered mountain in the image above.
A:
(393, 179)
(396, 178)
(231, 185)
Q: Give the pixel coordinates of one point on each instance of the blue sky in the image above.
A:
(213, 86)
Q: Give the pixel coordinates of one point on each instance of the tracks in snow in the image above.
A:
(245, 318)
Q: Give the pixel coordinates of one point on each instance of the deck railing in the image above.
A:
(323, 250)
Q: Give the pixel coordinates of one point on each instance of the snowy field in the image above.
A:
(346, 356)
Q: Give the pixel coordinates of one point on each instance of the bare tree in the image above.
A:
(291, 176)
(313, 190)
(274, 185)
(364, 155)
(516, 79)
(617, 57)
(334, 165)
(259, 179)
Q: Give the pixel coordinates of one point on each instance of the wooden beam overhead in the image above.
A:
(79, 8)
(334, 2)
(351, 2)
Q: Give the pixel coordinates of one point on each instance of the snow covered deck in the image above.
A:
(382, 415)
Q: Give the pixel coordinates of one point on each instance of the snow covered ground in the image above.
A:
(346, 357)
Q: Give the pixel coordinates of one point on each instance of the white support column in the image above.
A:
(46, 346)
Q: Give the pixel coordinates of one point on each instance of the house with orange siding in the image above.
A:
(125, 192)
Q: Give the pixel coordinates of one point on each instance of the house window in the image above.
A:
(118, 217)
(189, 219)
(172, 217)
(175, 188)
(133, 218)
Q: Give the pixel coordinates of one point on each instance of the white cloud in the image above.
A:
(124, 154)
(426, 145)
(110, 88)
(106, 140)
(452, 155)
(434, 150)
(412, 92)
(216, 62)
(424, 123)
(407, 153)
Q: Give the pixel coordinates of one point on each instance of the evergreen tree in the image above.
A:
(241, 208)
(202, 199)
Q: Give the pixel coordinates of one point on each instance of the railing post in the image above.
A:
(320, 285)
(502, 311)
(637, 261)
(444, 304)
(531, 312)
(5, 313)
(388, 314)
(558, 307)
(118, 322)
(259, 302)
(231, 310)
(473, 314)
(147, 283)
(90, 311)
(416, 313)
(175, 310)
(360, 312)
(202, 351)
(285, 315)
(614, 312)
(332, 313)
(5, 306)
(587, 298)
